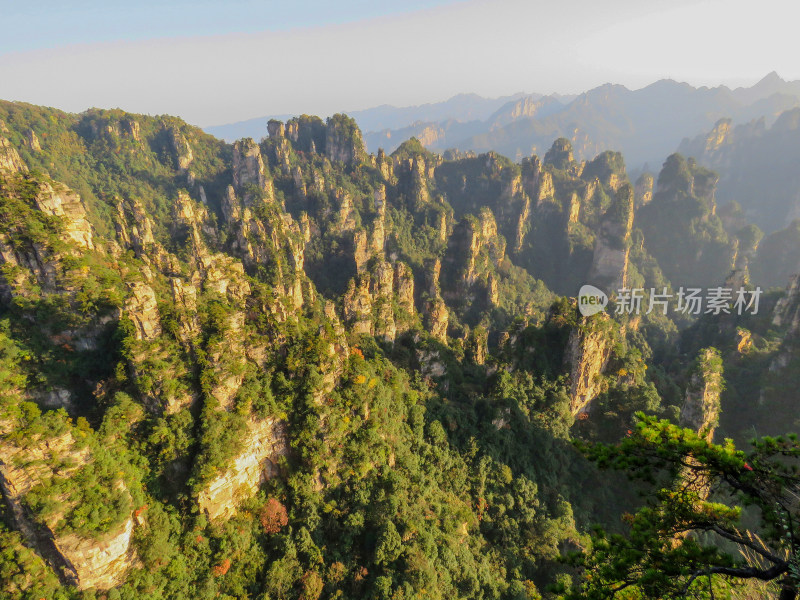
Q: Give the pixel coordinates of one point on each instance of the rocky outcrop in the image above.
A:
(743, 341)
(478, 345)
(609, 270)
(36, 264)
(30, 269)
(369, 243)
(588, 351)
(404, 288)
(345, 219)
(10, 161)
(264, 234)
(381, 302)
(643, 192)
(560, 154)
(430, 363)
(437, 318)
(358, 306)
(153, 365)
(264, 443)
(700, 411)
(248, 166)
(474, 250)
(226, 356)
(382, 290)
(33, 140)
(180, 147)
(184, 298)
(101, 562)
(141, 308)
(58, 200)
(275, 128)
(384, 165)
(786, 315)
(546, 190)
(134, 230)
(343, 140)
(377, 238)
(709, 147)
(787, 309)
(413, 177)
(434, 309)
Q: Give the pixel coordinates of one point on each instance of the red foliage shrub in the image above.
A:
(222, 568)
(273, 516)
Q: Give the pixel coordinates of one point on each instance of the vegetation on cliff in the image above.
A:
(291, 369)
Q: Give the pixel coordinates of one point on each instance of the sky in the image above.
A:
(220, 62)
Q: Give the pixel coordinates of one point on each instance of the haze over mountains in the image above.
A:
(462, 108)
(645, 124)
(758, 166)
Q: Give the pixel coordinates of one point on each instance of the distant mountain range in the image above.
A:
(461, 108)
(645, 125)
(759, 166)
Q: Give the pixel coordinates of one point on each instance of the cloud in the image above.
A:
(705, 43)
(491, 48)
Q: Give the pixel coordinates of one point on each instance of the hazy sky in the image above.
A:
(219, 62)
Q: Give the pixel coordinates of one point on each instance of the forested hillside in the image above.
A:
(291, 369)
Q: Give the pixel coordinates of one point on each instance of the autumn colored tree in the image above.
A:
(311, 585)
(273, 516)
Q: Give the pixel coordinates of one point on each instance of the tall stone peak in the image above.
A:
(787, 309)
(560, 154)
(685, 176)
(701, 405)
(609, 268)
(343, 140)
(248, 165)
(587, 354)
(608, 167)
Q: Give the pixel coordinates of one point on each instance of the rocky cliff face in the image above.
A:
(142, 308)
(180, 146)
(370, 300)
(588, 351)
(35, 262)
(700, 411)
(786, 315)
(59, 201)
(248, 165)
(10, 161)
(695, 249)
(474, 250)
(85, 562)
(787, 309)
(609, 268)
(265, 442)
(434, 308)
(265, 234)
(643, 192)
(753, 161)
(343, 141)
